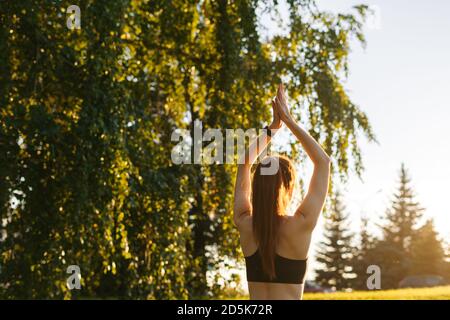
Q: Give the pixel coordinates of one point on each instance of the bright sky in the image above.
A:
(401, 80)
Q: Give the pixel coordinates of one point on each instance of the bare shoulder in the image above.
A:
(296, 223)
(296, 238)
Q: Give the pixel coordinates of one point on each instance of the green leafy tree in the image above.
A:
(86, 118)
(335, 251)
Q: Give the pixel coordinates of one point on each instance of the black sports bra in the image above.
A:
(286, 270)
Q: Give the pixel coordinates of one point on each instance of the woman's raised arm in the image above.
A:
(242, 188)
(312, 204)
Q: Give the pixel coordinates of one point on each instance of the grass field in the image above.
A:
(436, 293)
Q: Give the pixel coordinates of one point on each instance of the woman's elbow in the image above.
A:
(324, 161)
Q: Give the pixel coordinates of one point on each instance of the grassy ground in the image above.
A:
(436, 293)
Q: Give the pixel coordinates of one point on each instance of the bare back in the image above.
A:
(294, 235)
(293, 243)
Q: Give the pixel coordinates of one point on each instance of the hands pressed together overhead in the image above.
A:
(280, 109)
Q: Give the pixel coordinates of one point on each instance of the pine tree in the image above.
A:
(428, 256)
(335, 251)
(398, 231)
(363, 256)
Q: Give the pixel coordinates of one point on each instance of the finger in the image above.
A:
(282, 96)
(277, 101)
(280, 106)
(280, 100)
(282, 90)
(274, 107)
(279, 93)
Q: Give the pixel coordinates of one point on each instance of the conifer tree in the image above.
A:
(428, 256)
(363, 255)
(399, 228)
(335, 251)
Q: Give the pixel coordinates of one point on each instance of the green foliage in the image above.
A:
(404, 248)
(427, 251)
(399, 229)
(363, 256)
(86, 117)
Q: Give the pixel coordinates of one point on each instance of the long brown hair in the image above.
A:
(270, 196)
